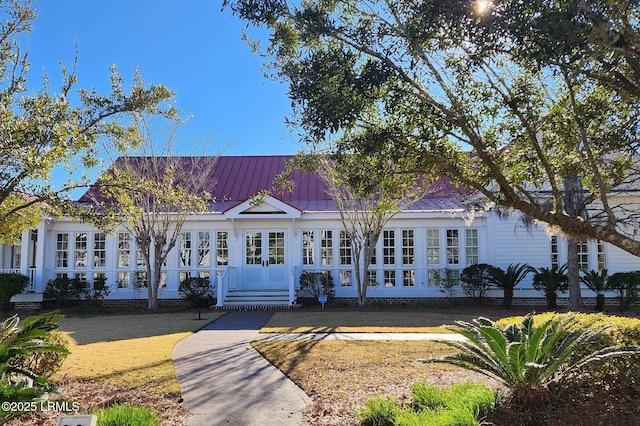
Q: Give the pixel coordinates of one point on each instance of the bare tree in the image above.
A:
(366, 200)
(153, 192)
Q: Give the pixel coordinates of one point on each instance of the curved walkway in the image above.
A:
(224, 381)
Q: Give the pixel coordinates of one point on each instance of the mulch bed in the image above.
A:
(94, 394)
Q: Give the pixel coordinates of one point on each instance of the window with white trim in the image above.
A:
(433, 247)
(555, 259)
(345, 278)
(184, 250)
(124, 249)
(62, 250)
(80, 255)
(372, 278)
(308, 247)
(123, 279)
(409, 278)
(389, 277)
(99, 250)
(602, 256)
(326, 247)
(140, 261)
(345, 249)
(453, 247)
(472, 247)
(408, 249)
(583, 255)
(222, 246)
(204, 249)
(388, 247)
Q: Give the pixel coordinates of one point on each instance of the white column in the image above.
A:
(40, 261)
(26, 252)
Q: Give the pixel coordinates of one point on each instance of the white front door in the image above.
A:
(264, 259)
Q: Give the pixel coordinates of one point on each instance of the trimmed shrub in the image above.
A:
(127, 415)
(197, 292)
(63, 289)
(317, 283)
(627, 287)
(96, 294)
(476, 281)
(10, 285)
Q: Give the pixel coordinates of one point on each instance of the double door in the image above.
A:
(265, 255)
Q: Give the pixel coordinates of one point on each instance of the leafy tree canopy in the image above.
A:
(495, 98)
(42, 128)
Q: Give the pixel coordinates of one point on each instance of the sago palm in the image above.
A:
(529, 357)
(551, 281)
(508, 279)
(598, 282)
(18, 384)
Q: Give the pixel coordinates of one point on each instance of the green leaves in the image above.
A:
(530, 355)
(41, 129)
(500, 101)
(23, 339)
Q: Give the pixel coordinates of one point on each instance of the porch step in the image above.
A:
(257, 298)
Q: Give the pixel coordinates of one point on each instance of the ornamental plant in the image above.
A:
(197, 292)
(476, 280)
(551, 281)
(532, 359)
(22, 339)
(10, 285)
(599, 283)
(508, 279)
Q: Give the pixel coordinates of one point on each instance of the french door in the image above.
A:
(265, 254)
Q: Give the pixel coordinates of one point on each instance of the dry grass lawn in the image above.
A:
(341, 375)
(129, 350)
(350, 321)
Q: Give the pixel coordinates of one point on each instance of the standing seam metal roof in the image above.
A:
(235, 179)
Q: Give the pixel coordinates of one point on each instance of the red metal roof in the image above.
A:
(235, 179)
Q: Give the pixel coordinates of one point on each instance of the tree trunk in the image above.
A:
(152, 289)
(552, 295)
(575, 296)
(599, 302)
(508, 297)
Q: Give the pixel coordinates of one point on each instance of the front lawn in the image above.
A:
(341, 375)
(379, 321)
(129, 350)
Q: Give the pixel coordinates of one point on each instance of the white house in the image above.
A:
(254, 254)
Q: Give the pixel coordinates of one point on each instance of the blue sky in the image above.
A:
(190, 46)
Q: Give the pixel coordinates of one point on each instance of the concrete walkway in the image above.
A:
(360, 336)
(226, 382)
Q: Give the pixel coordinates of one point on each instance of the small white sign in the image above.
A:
(77, 420)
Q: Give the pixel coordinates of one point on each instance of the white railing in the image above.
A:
(32, 279)
(222, 286)
(31, 273)
(293, 276)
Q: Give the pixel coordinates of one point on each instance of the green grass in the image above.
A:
(459, 405)
(129, 350)
(126, 415)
